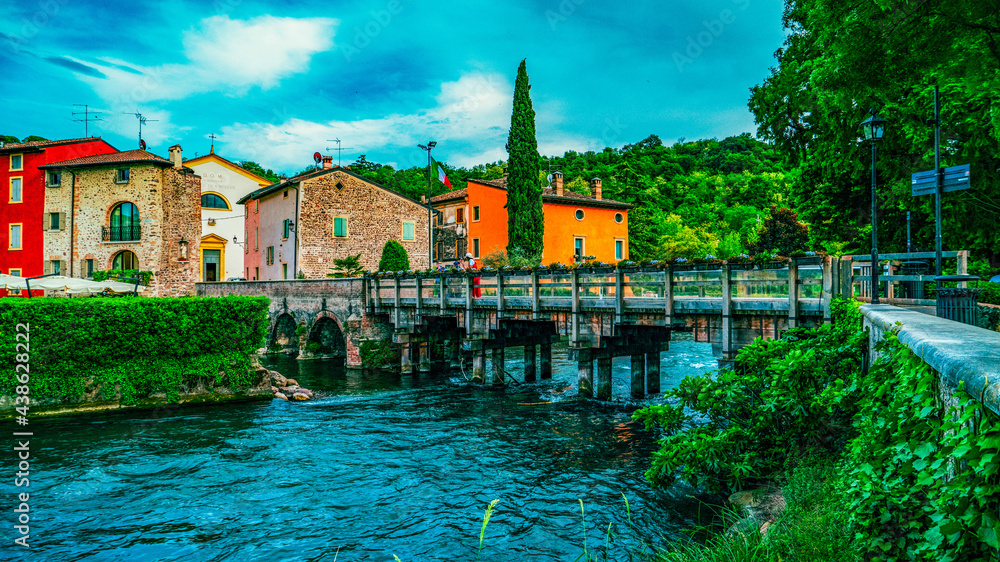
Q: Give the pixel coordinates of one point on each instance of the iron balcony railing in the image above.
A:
(120, 233)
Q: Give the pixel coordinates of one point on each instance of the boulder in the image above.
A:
(288, 389)
(274, 389)
(281, 396)
(305, 391)
(277, 379)
(300, 396)
(291, 382)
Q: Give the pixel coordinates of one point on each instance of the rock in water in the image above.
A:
(277, 379)
(281, 396)
(300, 396)
(291, 382)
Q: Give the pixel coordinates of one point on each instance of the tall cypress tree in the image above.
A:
(525, 222)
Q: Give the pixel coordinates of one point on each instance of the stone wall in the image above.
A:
(957, 352)
(375, 216)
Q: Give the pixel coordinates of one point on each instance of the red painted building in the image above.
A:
(22, 197)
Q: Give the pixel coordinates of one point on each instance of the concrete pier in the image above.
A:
(604, 378)
(585, 378)
(638, 375)
(529, 363)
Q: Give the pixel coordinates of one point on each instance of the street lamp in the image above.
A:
(873, 128)
(430, 232)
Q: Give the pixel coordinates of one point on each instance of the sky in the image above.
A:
(278, 82)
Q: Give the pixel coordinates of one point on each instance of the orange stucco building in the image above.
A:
(474, 220)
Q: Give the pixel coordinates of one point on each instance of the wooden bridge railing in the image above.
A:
(803, 287)
(856, 275)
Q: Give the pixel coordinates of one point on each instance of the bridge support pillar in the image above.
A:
(545, 361)
(529, 363)
(653, 372)
(452, 353)
(604, 378)
(425, 356)
(478, 365)
(638, 376)
(498, 371)
(585, 377)
(406, 352)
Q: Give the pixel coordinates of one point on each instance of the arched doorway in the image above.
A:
(213, 258)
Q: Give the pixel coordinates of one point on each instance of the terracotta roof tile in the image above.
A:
(457, 194)
(16, 146)
(127, 157)
(581, 199)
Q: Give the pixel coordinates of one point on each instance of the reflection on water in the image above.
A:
(379, 464)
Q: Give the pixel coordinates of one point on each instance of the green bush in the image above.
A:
(786, 396)
(394, 257)
(127, 275)
(142, 345)
(376, 354)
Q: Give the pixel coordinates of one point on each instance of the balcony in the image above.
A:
(120, 233)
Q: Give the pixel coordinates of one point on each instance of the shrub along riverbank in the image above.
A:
(126, 350)
(871, 466)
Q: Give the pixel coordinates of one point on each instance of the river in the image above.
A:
(377, 465)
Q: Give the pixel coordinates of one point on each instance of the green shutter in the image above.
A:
(339, 227)
(408, 231)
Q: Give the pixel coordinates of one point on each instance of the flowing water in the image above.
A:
(377, 465)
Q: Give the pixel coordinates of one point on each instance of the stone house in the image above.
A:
(224, 235)
(307, 221)
(127, 210)
(474, 219)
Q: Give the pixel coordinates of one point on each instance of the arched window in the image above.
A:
(214, 201)
(124, 223)
(124, 261)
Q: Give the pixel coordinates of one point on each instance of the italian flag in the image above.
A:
(441, 175)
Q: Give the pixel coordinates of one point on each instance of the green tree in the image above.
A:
(7, 139)
(781, 231)
(394, 257)
(255, 168)
(348, 267)
(525, 222)
(33, 138)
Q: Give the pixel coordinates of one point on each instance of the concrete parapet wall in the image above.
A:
(958, 352)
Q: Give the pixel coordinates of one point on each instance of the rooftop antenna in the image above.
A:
(86, 118)
(339, 149)
(142, 120)
(213, 137)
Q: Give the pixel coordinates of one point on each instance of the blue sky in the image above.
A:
(277, 82)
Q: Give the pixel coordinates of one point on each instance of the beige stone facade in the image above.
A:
(167, 198)
(369, 214)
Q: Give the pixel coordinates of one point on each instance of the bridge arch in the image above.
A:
(325, 336)
(283, 332)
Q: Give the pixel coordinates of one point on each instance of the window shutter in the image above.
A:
(62, 221)
(46, 221)
(83, 268)
(408, 231)
(340, 227)
(48, 267)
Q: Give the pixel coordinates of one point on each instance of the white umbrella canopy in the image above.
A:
(11, 281)
(75, 285)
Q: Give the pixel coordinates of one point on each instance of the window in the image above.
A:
(248, 272)
(121, 175)
(339, 186)
(284, 271)
(475, 247)
(53, 221)
(124, 261)
(475, 214)
(579, 214)
(124, 223)
(246, 247)
(408, 231)
(16, 162)
(285, 194)
(340, 227)
(89, 268)
(256, 205)
(439, 251)
(14, 292)
(53, 179)
(619, 249)
(270, 255)
(14, 241)
(214, 201)
(55, 266)
(460, 215)
(15, 190)
(619, 218)
(256, 239)
(578, 247)
(256, 273)
(284, 230)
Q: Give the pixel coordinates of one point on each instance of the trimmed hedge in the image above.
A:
(142, 345)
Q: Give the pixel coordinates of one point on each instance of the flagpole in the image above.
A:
(430, 225)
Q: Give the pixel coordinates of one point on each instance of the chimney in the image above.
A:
(595, 188)
(557, 183)
(327, 162)
(175, 156)
(282, 178)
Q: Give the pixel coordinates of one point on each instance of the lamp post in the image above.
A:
(430, 226)
(873, 128)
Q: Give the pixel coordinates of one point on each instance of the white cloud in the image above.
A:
(222, 55)
(469, 121)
